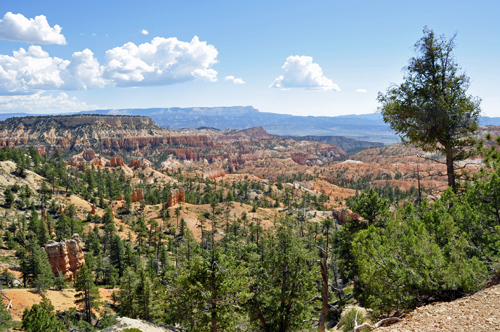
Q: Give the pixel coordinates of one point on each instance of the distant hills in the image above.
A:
(367, 127)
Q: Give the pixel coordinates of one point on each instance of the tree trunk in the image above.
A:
(450, 169)
(214, 294)
(259, 313)
(324, 295)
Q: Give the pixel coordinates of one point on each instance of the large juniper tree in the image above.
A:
(431, 108)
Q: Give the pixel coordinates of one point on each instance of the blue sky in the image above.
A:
(295, 57)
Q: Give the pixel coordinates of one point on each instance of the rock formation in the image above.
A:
(214, 173)
(344, 216)
(66, 256)
(137, 195)
(176, 196)
(116, 161)
(88, 154)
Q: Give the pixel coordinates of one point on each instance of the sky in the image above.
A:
(321, 58)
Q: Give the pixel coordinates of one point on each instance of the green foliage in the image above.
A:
(211, 286)
(431, 108)
(9, 197)
(41, 318)
(283, 281)
(5, 318)
(420, 256)
(35, 266)
(369, 205)
(347, 322)
(88, 295)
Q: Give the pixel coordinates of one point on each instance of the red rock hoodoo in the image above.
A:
(66, 256)
(176, 196)
(137, 195)
(116, 161)
(214, 173)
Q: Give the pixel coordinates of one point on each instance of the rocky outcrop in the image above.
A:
(72, 121)
(135, 143)
(116, 161)
(214, 173)
(255, 132)
(176, 196)
(66, 256)
(137, 195)
(88, 154)
(77, 132)
(344, 216)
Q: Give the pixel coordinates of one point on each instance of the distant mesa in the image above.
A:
(72, 121)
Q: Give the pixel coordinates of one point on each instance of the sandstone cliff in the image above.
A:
(79, 132)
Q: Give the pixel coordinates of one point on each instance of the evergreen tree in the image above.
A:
(88, 295)
(431, 109)
(35, 267)
(283, 281)
(5, 318)
(9, 197)
(41, 317)
(117, 254)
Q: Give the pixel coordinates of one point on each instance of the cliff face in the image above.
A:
(66, 256)
(72, 121)
(79, 132)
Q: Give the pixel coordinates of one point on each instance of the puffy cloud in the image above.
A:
(235, 80)
(145, 32)
(83, 72)
(37, 103)
(16, 27)
(161, 62)
(302, 72)
(361, 90)
(27, 72)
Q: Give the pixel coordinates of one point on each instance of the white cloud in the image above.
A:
(235, 80)
(16, 27)
(37, 103)
(361, 90)
(161, 62)
(302, 72)
(28, 72)
(145, 32)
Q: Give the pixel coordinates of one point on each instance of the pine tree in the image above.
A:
(126, 294)
(5, 318)
(41, 317)
(283, 281)
(35, 267)
(9, 197)
(88, 295)
(117, 254)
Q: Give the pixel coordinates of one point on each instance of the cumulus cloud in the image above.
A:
(145, 32)
(163, 61)
(38, 103)
(302, 72)
(28, 72)
(16, 27)
(361, 90)
(234, 80)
